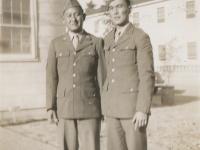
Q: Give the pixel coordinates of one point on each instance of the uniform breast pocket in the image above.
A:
(128, 56)
(63, 61)
(88, 61)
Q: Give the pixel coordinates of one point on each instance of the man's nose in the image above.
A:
(115, 11)
(73, 18)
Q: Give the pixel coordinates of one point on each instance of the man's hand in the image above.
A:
(140, 119)
(52, 117)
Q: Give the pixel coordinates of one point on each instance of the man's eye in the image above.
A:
(119, 6)
(110, 8)
(68, 16)
(77, 14)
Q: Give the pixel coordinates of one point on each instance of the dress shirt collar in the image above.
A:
(72, 34)
(121, 30)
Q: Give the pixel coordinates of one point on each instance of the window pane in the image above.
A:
(26, 40)
(26, 47)
(26, 34)
(16, 46)
(5, 46)
(16, 18)
(16, 5)
(25, 6)
(16, 33)
(26, 19)
(6, 17)
(6, 33)
(6, 4)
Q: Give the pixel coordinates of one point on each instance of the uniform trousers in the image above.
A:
(79, 134)
(121, 135)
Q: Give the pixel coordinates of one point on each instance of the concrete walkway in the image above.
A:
(14, 141)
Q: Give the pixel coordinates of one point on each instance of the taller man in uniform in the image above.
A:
(129, 87)
(76, 72)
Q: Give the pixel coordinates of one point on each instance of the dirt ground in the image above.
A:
(175, 127)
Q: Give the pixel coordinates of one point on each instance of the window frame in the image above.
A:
(136, 19)
(162, 56)
(96, 26)
(190, 12)
(192, 50)
(160, 16)
(32, 56)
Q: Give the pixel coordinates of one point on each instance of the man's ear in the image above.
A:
(63, 19)
(129, 9)
(84, 16)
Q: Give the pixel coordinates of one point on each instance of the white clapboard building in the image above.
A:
(174, 29)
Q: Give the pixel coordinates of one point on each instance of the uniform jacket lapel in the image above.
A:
(85, 41)
(67, 42)
(126, 35)
(110, 39)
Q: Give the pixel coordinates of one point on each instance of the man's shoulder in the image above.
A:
(59, 38)
(139, 32)
(94, 38)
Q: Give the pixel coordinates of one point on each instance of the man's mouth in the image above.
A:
(116, 18)
(74, 24)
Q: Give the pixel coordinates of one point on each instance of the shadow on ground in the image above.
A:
(178, 99)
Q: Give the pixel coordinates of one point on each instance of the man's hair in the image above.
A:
(76, 6)
(128, 2)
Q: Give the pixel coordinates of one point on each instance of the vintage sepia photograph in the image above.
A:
(99, 74)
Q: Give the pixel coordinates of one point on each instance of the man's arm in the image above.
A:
(146, 77)
(101, 68)
(51, 84)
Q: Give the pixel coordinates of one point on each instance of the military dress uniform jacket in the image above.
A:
(130, 74)
(74, 77)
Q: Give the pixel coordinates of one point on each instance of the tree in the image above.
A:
(90, 6)
(172, 57)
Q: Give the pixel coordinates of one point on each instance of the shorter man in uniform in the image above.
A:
(75, 74)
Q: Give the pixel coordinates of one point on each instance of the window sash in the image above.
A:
(96, 26)
(192, 50)
(190, 9)
(161, 14)
(136, 19)
(18, 54)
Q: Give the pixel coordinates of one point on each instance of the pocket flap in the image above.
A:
(105, 86)
(61, 94)
(62, 54)
(129, 87)
(90, 92)
(89, 53)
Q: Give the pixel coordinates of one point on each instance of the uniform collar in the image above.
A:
(72, 34)
(121, 30)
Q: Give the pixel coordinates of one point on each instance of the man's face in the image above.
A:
(119, 12)
(73, 19)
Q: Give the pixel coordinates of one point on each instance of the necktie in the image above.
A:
(75, 41)
(117, 35)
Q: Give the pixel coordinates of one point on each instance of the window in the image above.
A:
(17, 30)
(136, 19)
(96, 26)
(161, 14)
(162, 52)
(190, 9)
(192, 50)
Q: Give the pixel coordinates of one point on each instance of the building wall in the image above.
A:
(176, 29)
(175, 33)
(23, 83)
